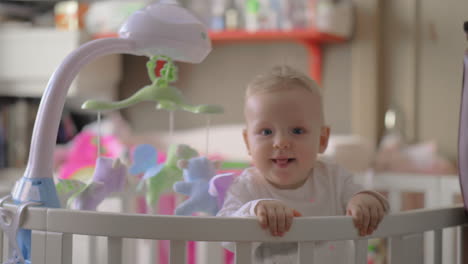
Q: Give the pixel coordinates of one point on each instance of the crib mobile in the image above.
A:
(162, 31)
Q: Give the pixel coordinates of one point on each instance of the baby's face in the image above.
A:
(284, 134)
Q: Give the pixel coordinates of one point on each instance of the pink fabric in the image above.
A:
(228, 257)
(82, 153)
(421, 158)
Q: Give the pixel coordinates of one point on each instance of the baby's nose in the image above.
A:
(282, 143)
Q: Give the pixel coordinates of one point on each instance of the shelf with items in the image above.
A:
(275, 35)
(310, 38)
(310, 23)
(311, 35)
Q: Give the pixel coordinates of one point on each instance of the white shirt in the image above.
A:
(325, 193)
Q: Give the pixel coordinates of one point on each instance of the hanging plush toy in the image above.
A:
(78, 159)
(198, 175)
(145, 160)
(90, 173)
(160, 178)
(219, 186)
(109, 177)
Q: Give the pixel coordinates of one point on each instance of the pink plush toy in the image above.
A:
(78, 159)
(422, 158)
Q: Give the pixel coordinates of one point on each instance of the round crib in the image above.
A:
(53, 231)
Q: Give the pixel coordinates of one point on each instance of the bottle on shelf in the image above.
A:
(218, 8)
(251, 11)
(232, 16)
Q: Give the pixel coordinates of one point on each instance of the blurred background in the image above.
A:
(391, 73)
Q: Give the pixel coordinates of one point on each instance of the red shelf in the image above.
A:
(310, 38)
(298, 35)
(242, 35)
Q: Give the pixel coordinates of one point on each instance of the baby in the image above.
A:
(285, 132)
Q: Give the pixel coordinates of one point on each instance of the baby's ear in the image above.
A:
(324, 136)
(182, 164)
(246, 140)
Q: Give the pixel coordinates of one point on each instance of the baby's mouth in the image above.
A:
(283, 162)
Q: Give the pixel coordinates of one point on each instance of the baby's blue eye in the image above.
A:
(298, 131)
(266, 132)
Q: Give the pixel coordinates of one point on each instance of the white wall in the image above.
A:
(424, 43)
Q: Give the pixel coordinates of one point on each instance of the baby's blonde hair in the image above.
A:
(283, 77)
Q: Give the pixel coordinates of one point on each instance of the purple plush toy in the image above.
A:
(109, 177)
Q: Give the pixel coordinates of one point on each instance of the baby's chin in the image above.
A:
(286, 184)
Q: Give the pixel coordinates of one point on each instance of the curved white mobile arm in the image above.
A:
(40, 163)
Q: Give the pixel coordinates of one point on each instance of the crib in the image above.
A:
(430, 235)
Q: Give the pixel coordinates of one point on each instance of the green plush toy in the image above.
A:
(160, 177)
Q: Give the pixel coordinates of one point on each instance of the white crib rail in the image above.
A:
(53, 229)
(438, 190)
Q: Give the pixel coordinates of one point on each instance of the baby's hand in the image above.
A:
(275, 215)
(367, 212)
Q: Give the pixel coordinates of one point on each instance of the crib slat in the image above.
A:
(59, 248)
(305, 252)
(1, 245)
(407, 249)
(209, 252)
(360, 251)
(396, 250)
(153, 244)
(114, 250)
(5, 248)
(449, 245)
(93, 249)
(394, 198)
(458, 244)
(438, 246)
(38, 247)
(177, 252)
(243, 253)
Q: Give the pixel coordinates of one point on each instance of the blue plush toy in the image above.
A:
(197, 173)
